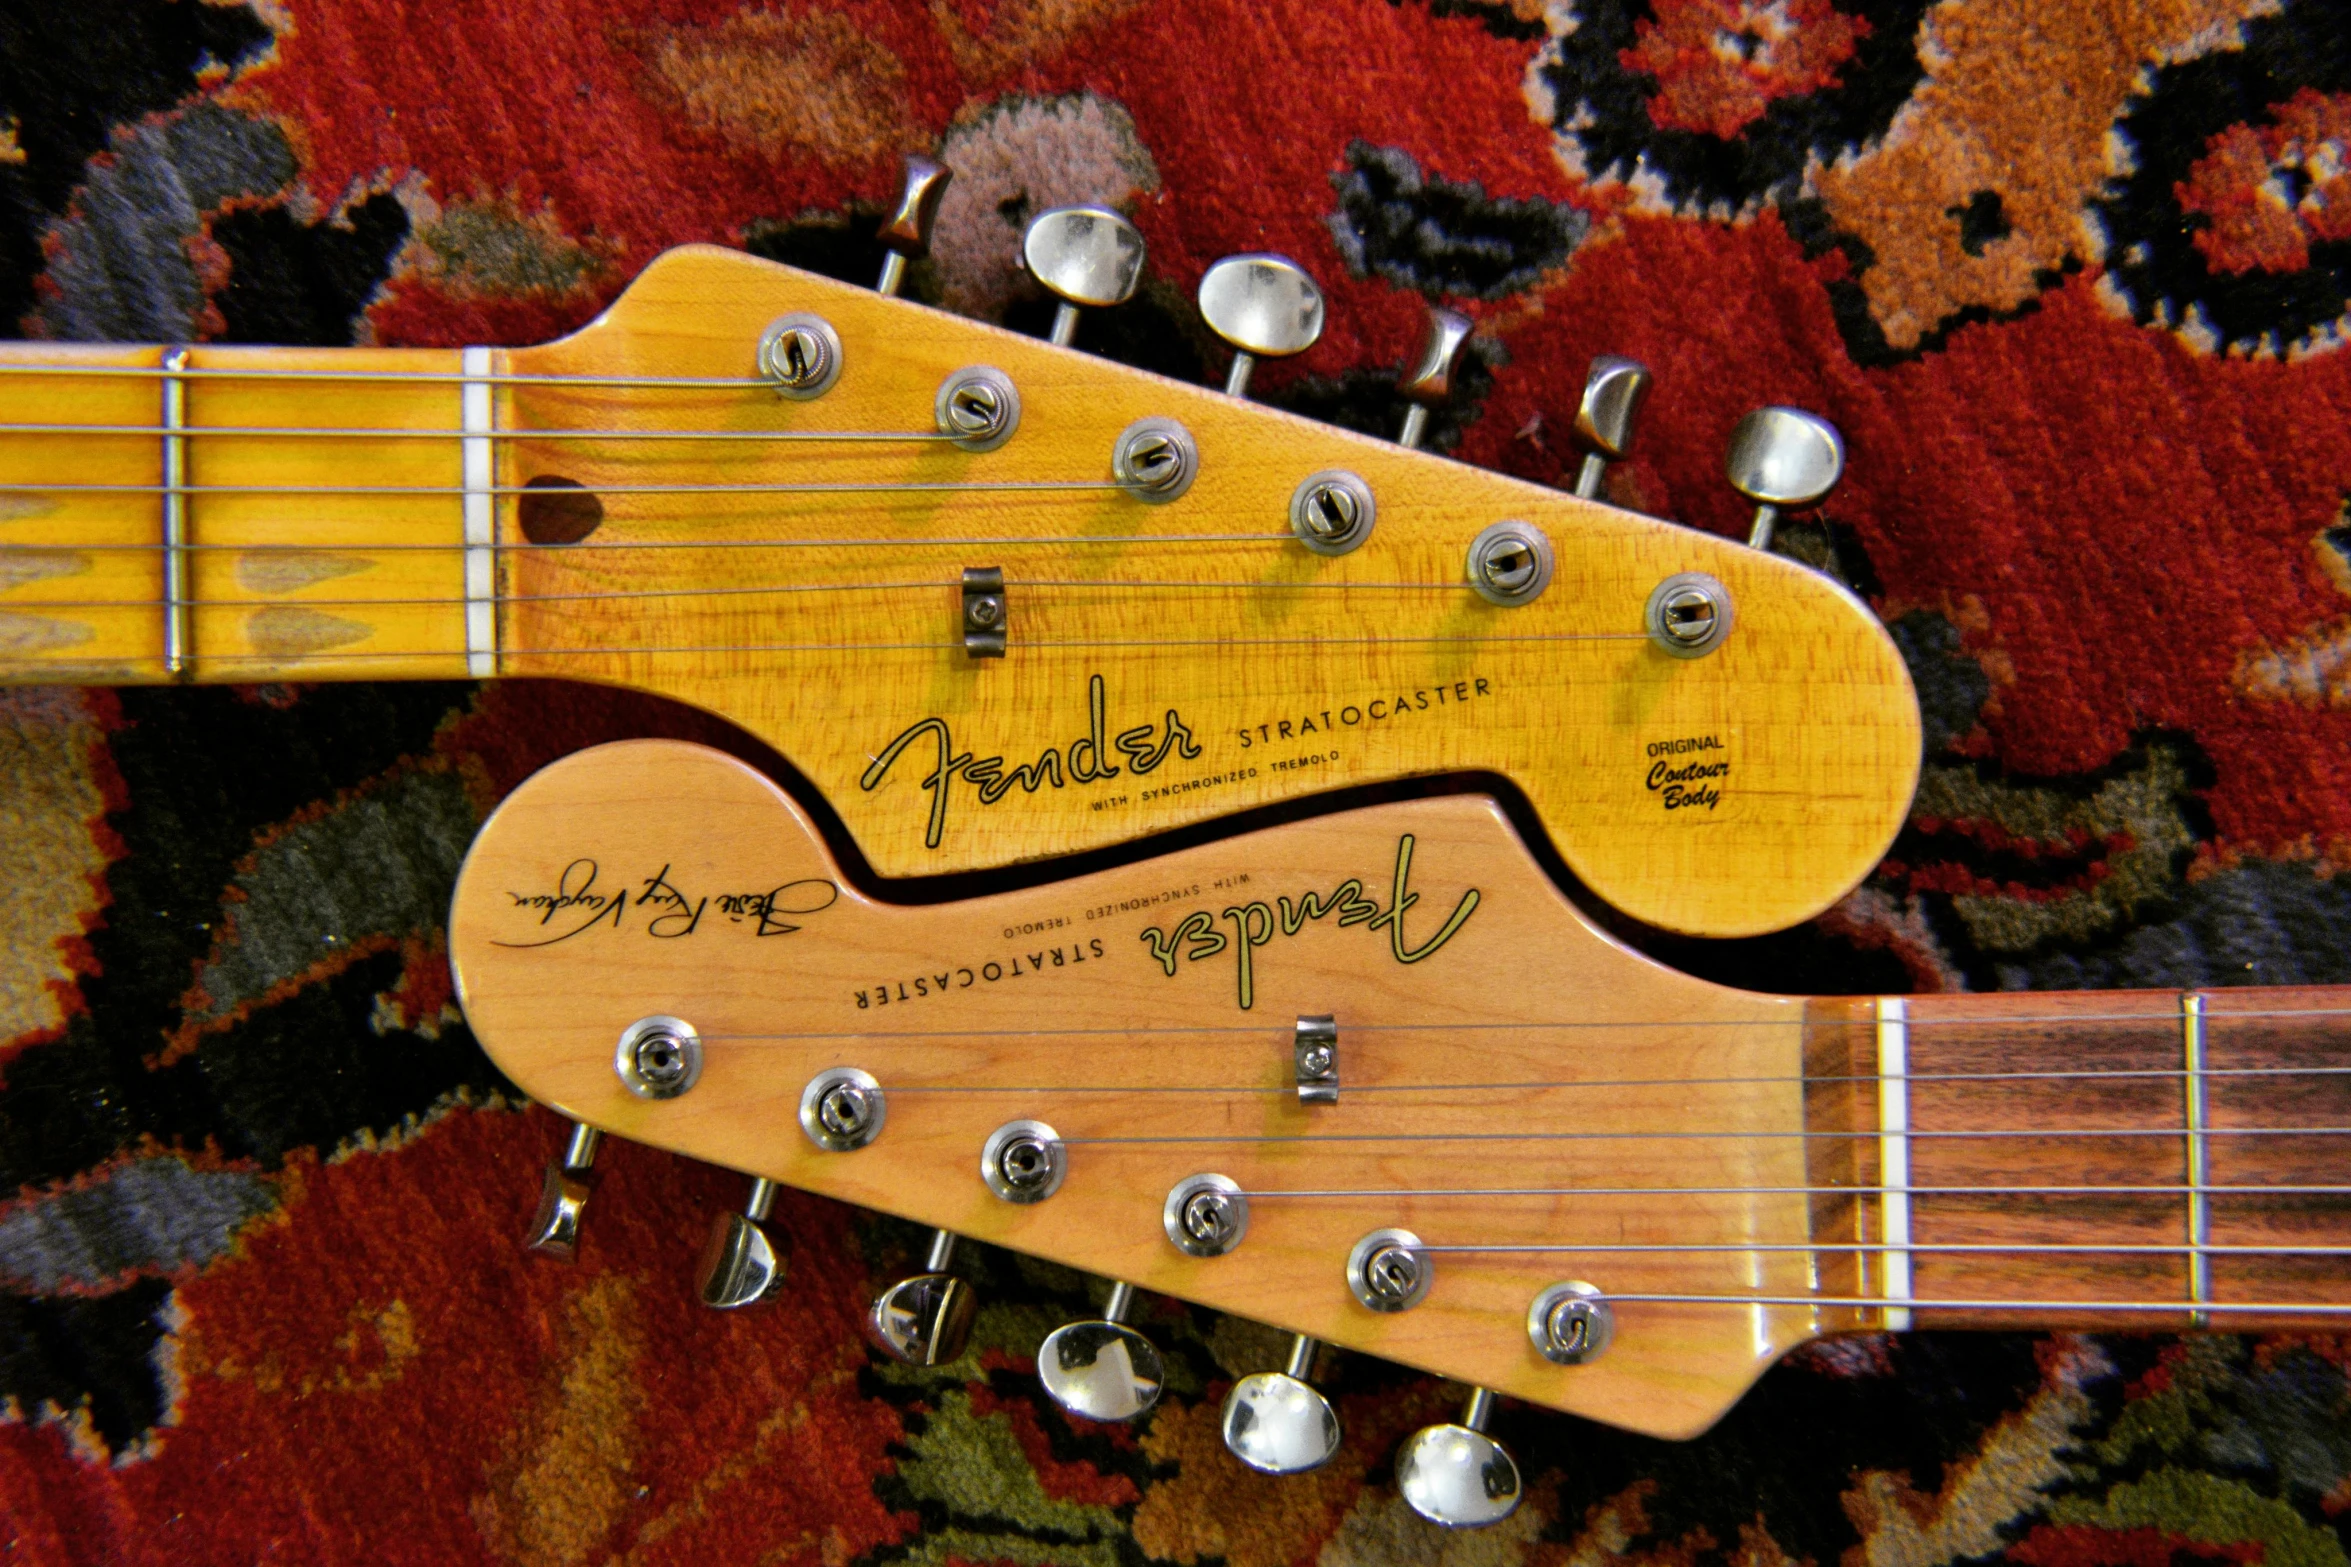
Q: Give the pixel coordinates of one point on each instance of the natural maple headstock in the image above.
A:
(1160, 1001)
(639, 504)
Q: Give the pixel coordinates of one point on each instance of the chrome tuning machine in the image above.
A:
(906, 234)
(740, 1264)
(1265, 307)
(1613, 390)
(1428, 383)
(1783, 459)
(1277, 1422)
(1457, 1476)
(926, 1320)
(1103, 1369)
(1087, 257)
(563, 1200)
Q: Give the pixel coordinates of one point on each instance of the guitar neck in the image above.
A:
(2147, 1159)
(310, 522)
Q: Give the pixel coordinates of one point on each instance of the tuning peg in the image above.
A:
(925, 1320)
(563, 1200)
(740, 1266)
(1613, 389)
(1101, 1370)
(907, 235)
(1087, 257)
(1783, 459)
(1429, 383)
(1266, 307)
(1455, 1474)
(1276, 1422)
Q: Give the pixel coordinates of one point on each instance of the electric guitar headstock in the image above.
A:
(1370, 1078)
(997, 598)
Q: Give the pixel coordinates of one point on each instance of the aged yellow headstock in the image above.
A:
(999, 599)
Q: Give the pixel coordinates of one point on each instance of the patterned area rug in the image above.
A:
(2072, 278)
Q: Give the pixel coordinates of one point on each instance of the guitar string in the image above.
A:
(451, 600)
(1914, 1189)
(1867, 1248)
(393, 377)
(2037, 1307)
(1283, 1031)
(304, 659)
(1727, 1134)
(301, 432)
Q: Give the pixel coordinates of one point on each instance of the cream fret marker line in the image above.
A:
(2199, 1160)
(174, 424)
(477, 408)
(1894, 1157)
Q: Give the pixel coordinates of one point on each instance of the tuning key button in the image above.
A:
(563, 1199)
(926, 1320)
(1783, 459)
(1613, 390)
(1266, 307)
(1277, 1423)
(906, 236)
(1086, 257)
(1456, 1475)
(740, 1265)
(1428, 384)
(1102, 1370)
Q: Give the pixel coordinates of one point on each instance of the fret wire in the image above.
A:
(2198, 1151)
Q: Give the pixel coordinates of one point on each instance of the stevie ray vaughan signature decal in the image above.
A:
(574, 906)
(1196, 938)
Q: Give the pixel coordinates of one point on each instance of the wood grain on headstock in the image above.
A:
(1050, 1004)
(1168, 663)
(1491, 1042)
